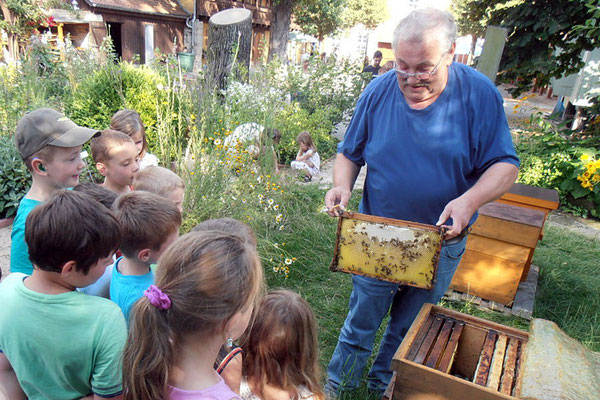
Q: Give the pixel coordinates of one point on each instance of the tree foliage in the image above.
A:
(319, 17)
(370, 13)
(543, 41)
(20, 18)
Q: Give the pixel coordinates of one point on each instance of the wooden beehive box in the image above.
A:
(499, 251)
(531, 197)
(447, 355)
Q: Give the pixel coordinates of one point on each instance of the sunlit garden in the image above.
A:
(187, 125)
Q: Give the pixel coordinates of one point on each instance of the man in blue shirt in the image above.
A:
(437, 146)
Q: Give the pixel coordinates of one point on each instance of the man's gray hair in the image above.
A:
(424, 24)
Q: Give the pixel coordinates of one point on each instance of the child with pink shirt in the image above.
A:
(207, 284)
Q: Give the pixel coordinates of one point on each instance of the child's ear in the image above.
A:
(101, 168)
(68, 268)
(38, 166)
(144, 255)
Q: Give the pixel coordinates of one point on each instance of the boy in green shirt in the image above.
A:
(57, 342)
(50, 145)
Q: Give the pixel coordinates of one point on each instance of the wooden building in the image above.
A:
(261, 19)
(139, 27)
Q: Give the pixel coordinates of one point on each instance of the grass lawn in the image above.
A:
(568, 289)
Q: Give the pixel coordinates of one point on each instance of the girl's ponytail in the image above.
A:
(148, 354)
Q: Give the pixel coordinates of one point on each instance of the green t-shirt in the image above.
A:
(19, 252)
(63, 346)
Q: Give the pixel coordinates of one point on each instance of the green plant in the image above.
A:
(293, 120)
(551, 157)
(15, 178)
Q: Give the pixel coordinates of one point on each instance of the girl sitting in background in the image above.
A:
(281, 351)
(130, 123)
(307, 159)
(206, 286)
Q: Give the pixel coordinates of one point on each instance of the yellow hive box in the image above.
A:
(387, 249)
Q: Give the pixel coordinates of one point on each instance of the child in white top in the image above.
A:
(307, 159)
(281, 351)
(130, 123)
(207, 283)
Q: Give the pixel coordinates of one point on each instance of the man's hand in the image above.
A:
(337, 196)
(344, 175)
(461, 211)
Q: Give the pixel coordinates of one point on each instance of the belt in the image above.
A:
(458, 238)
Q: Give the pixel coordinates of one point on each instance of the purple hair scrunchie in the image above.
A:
(157, 298)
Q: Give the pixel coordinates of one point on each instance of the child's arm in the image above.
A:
(308, 154)
(9, 385)
(232, 374)
(299, 155)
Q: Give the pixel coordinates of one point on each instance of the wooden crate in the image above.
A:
(499, 251)
(447, 355)
(532, 197)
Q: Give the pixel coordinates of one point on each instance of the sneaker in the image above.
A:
(307, 178)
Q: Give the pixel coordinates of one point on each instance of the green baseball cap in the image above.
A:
(45, 126)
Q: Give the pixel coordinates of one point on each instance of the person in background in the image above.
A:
(207, 285)
(437, 146)
(50, 145)
(307, 159)
(130, 123)
(256, 140)
(282, 351)
(374, 69)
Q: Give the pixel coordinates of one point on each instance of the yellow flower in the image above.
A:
(584, 157)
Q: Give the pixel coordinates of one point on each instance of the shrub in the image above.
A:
(112, 87)
(556, 158)
(15, 177)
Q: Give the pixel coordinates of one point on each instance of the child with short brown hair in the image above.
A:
(50, 145)
(149, 224)
(281, 350)
(116, 159)
(63, 344)
(163, 182)
(130, 123)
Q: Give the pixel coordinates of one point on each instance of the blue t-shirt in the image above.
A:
(19, 252)
(101, 287)
(419, 160)
(125, 290)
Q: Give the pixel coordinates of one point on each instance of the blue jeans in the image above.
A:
(369, 303)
